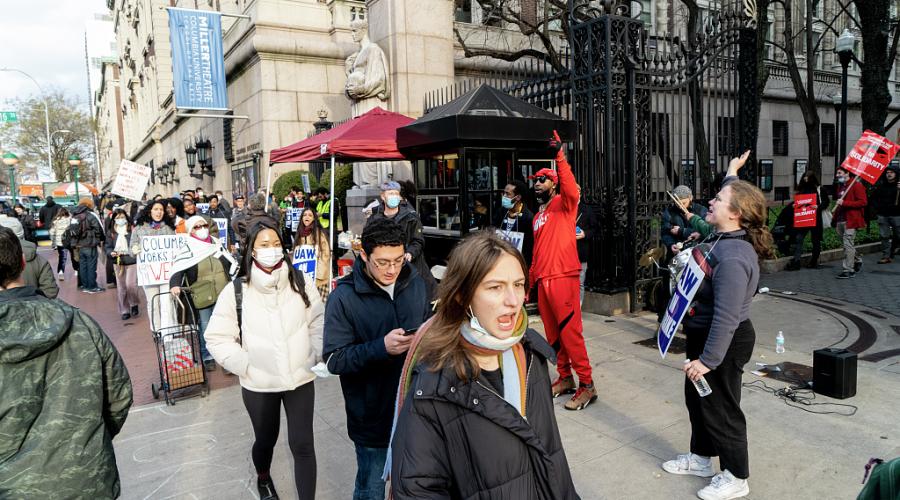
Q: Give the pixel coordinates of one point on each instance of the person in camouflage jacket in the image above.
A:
(64, 393)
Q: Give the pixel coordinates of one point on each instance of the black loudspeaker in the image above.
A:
(834, 373)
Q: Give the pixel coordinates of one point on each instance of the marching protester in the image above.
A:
(155, 221)
(27, 222)
(323, 207)
(223, 202)
(57, 228)
(203, 268)
(514, 220)
(89, 237)
(365, 343)
(310, 233)
(175, 212)
(886, 200)
(676, 227)
(555, 270)
(216, 210)
(849, 216)
(118, 251)
(66, 393)
(37, 271)
(48, 212)
(475, 417)
(809, 184)
(720, 337)
(256, 213)
(267, 329)
(585, 227)
(392, 207)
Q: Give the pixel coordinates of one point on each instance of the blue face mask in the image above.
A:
(507, 203)
(393, 201)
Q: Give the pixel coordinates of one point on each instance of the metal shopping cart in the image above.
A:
(177, 348)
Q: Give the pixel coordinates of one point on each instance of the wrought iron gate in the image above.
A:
(653, 111)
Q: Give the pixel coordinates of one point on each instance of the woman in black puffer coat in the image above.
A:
(476, 418)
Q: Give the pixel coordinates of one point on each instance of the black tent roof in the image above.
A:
(482, 117)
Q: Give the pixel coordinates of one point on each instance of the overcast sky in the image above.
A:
(45, 38)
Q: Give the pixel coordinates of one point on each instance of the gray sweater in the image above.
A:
(724, 298)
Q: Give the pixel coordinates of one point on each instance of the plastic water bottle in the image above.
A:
(779, 343)
(701, 385)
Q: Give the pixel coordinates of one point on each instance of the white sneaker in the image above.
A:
(724, 486)
(689, 464)
(62, 276)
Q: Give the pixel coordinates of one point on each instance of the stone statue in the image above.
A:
(368, 87)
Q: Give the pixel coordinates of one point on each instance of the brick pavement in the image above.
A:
(132, 338)
(876, 286)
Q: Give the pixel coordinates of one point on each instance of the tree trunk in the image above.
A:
(804, 90)
(873, 19)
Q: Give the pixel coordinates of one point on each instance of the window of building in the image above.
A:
(800, 167)
(829, 140)
(766, 168)
(463, 11)
(780, 135)
(689, 174)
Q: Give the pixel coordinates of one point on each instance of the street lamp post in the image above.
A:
(844, 49)
(836, 100)
(10, 160)
(74, 161)
(46, 110)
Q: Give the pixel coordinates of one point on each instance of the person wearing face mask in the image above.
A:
(475, 419)
(272, 347)
(118, 251)
(555, 269)
(849, 217)
(393, 207)
(514, 220)
(366, 319)
(310, 233)
(202, 267)
(155, 221)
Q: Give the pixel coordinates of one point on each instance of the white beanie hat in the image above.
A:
(193, 221)
(15, 225)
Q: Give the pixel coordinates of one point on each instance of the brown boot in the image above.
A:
(585, 395)
(563, 385)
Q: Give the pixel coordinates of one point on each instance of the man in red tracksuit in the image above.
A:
(554, 270)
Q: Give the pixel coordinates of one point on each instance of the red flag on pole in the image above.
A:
(870, 156)
(805, 206)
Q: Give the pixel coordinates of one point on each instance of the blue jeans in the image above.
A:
(87, 267)
(369, 467)
(203, 316)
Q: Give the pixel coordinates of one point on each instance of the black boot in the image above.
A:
(266, 489)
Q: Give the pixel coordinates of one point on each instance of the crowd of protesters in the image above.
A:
(423, 365)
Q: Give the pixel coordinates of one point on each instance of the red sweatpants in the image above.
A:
(560, 308)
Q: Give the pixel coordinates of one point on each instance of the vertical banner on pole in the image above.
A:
(198, 63)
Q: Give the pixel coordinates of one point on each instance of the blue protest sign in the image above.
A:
(198, 63)
(688, 283)
(304, 259)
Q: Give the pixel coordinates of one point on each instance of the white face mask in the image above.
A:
(202, 234)
(269, 257)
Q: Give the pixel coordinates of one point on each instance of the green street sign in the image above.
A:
(8, 117)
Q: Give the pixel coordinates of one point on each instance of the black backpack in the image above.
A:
(72, 233)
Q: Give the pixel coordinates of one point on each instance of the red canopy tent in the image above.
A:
(371, 136)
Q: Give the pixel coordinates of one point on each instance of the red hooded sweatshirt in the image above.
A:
(555, 250)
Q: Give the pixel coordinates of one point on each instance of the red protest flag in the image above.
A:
(805, 206)
(870, 156)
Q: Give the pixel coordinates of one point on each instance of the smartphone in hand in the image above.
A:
(410, 331)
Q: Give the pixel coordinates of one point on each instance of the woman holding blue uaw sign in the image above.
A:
(312, 253)
(720, 336)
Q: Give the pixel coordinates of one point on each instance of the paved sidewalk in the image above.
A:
(200, 448)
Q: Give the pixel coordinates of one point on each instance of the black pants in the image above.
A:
(800, 236)
(718, 426)
(265, 415)
(61, 260)
(110, 270)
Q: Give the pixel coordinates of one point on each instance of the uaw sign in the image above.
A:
(688, 283)
(304, 260)
(870, 156)
(198, 65)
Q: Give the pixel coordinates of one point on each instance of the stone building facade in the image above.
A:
(286, 63)
(108, 114)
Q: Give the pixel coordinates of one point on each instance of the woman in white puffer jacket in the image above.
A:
(272, 351)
